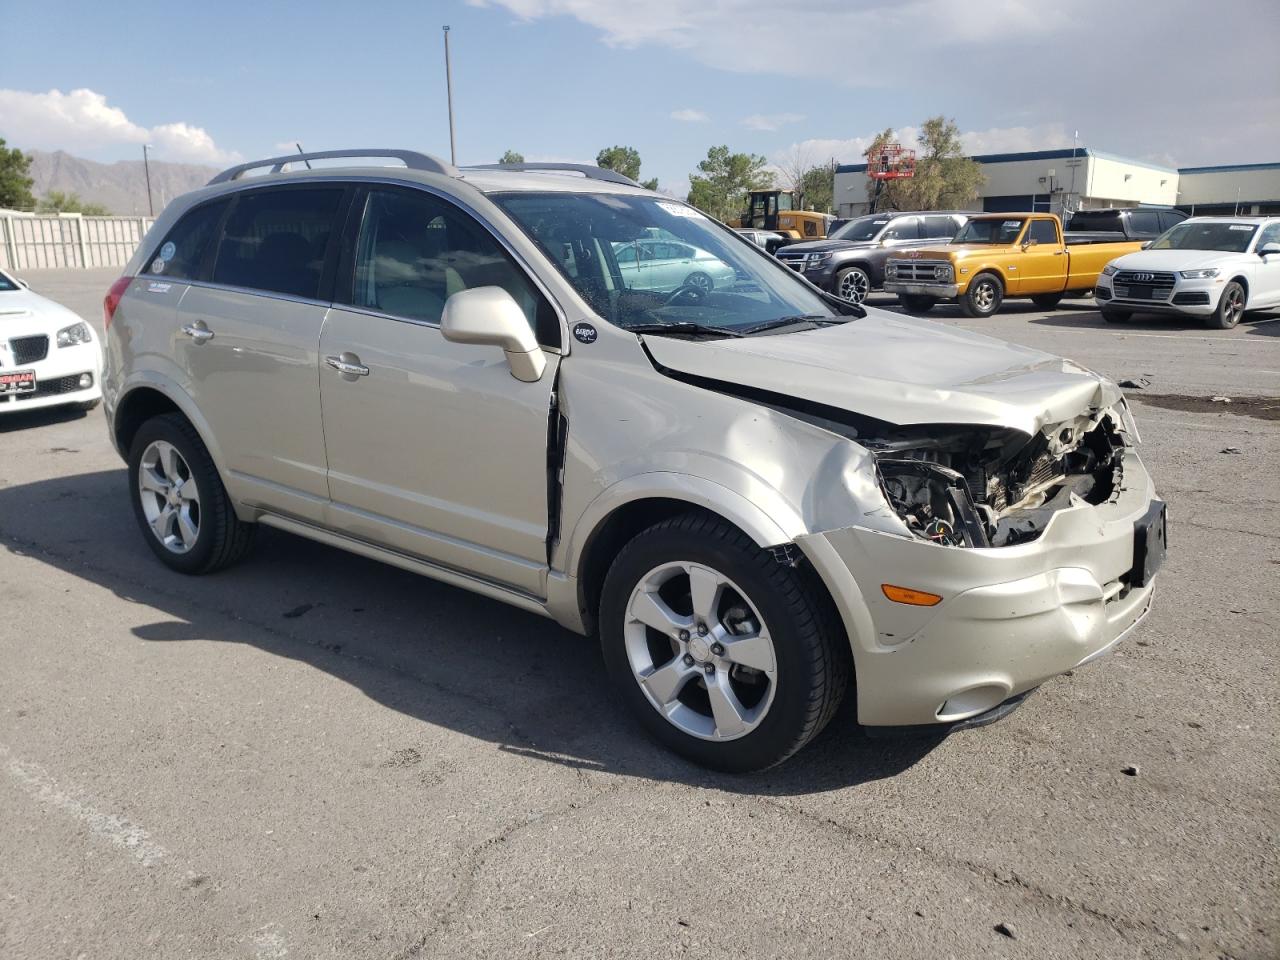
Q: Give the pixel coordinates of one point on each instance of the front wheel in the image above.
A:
(700, 280)
(852, 284)
(725, 655)
(181, 506)
(984, 296)
(1230, 308)
(917, 304)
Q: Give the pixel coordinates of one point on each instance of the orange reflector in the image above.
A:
(917, 598)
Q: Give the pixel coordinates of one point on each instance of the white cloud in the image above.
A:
(82, 121)
(770, 121)
(689, 115)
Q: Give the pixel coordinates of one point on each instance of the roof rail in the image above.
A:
(586, 169)
(410, 158)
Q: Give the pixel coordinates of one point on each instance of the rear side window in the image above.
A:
(939, 228)
(1144, 222)
(276, 240)
(1169, 218)
(903, 228)
(1043, 232)
(182, 255)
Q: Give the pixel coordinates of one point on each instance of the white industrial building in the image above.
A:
(1084, 178)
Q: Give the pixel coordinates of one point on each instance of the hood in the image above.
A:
(32, 311)
(901, 370)
(1175, 259)
(822, 246)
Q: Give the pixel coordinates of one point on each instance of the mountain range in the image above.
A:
(121, 187)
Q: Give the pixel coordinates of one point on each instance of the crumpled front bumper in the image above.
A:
(1010, 617)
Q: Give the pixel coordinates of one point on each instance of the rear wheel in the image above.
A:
(1116, 316)
(725, 655)
(852, 284)
(984, 296)
(179, 501)
(1230, 308)
(1047, 301)
(917, 304)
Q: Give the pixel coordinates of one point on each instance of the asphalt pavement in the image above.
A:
(314, 755)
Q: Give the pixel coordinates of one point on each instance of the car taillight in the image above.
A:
(112, 300)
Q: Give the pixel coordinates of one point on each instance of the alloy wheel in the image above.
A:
(984, 296)
(700, 651)
(169, 496)
(854, 286)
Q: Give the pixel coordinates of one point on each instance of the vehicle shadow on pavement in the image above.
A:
(435, 653)
(46, 416)
(1253, 323)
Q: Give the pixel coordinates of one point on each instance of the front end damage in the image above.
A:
(1036, 553)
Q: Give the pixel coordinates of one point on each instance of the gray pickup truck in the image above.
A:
(1124, 223)
(850, 262)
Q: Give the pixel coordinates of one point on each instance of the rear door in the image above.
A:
(248, 342)
(1266, 274)
(435, 450)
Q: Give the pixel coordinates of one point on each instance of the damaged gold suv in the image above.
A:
(761, 497)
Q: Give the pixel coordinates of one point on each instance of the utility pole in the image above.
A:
(448, 83)
(1075, 147)
(146, 166)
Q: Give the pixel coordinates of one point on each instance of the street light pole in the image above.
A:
(146, 166)
(448, 82)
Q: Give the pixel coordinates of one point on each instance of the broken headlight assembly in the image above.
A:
(992, 487)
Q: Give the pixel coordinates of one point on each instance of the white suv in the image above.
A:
(759, 495)
(1214, 268)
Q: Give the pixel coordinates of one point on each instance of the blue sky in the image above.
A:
(559, 79)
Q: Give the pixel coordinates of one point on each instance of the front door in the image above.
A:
(1266, 274)
(434, 449)
(1042, 265)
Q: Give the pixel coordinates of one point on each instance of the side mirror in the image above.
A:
(1029, 243)
(1268, 248)
(1145, 244)
(23, 284)
(490, 315)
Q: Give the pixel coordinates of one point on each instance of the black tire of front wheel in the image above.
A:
(223, 538)
(914, 304)
(1230, 308)
(969, 302)
(813, 659)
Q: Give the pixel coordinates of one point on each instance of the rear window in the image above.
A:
(1144, 223)
(182, 254)
(276, 240)
(1096, 221)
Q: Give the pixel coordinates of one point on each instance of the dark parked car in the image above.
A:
(1125, 223)
(850, 262)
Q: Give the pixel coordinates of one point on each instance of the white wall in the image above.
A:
(1259, 185)
(30, 241)
(1130, 183)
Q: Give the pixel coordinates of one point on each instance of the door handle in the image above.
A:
(198, 332)
(348, 365)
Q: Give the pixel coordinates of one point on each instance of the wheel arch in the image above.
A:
(1241, 279)
(152, 397)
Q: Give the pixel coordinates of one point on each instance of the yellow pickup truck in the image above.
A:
(998, 256)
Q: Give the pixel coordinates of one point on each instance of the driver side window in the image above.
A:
(415, 251)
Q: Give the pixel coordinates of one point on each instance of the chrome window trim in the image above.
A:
(520, 261)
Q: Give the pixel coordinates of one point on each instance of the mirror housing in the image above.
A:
(490, 315)
(1268, 248)
(1146, 243)
(23, 283)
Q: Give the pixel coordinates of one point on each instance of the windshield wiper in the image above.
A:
(682, 326)
(814, 318)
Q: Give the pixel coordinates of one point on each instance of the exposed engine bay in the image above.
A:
(994, 487)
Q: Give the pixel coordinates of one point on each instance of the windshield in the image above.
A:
(989, 231)
(1227, 237)
(6, 283)
(863, 228)
(640, 261)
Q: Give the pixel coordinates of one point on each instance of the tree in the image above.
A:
(511, 156)
(626, 161)
(15, 185)
(55, 201)
(944, 179)
(720, 189)
(817, 189)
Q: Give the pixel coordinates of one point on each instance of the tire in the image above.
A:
(1047, 301)
(700, 280)
(852, 284)
(202, 531)
(1230, 308)
(983, 297)
(916, 304)
(799, 658)
(1116, 316)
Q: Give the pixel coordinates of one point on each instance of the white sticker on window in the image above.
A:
(1240, 226)
(167, 251)
(1011, 224)
(158, 265)
(680, 210)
